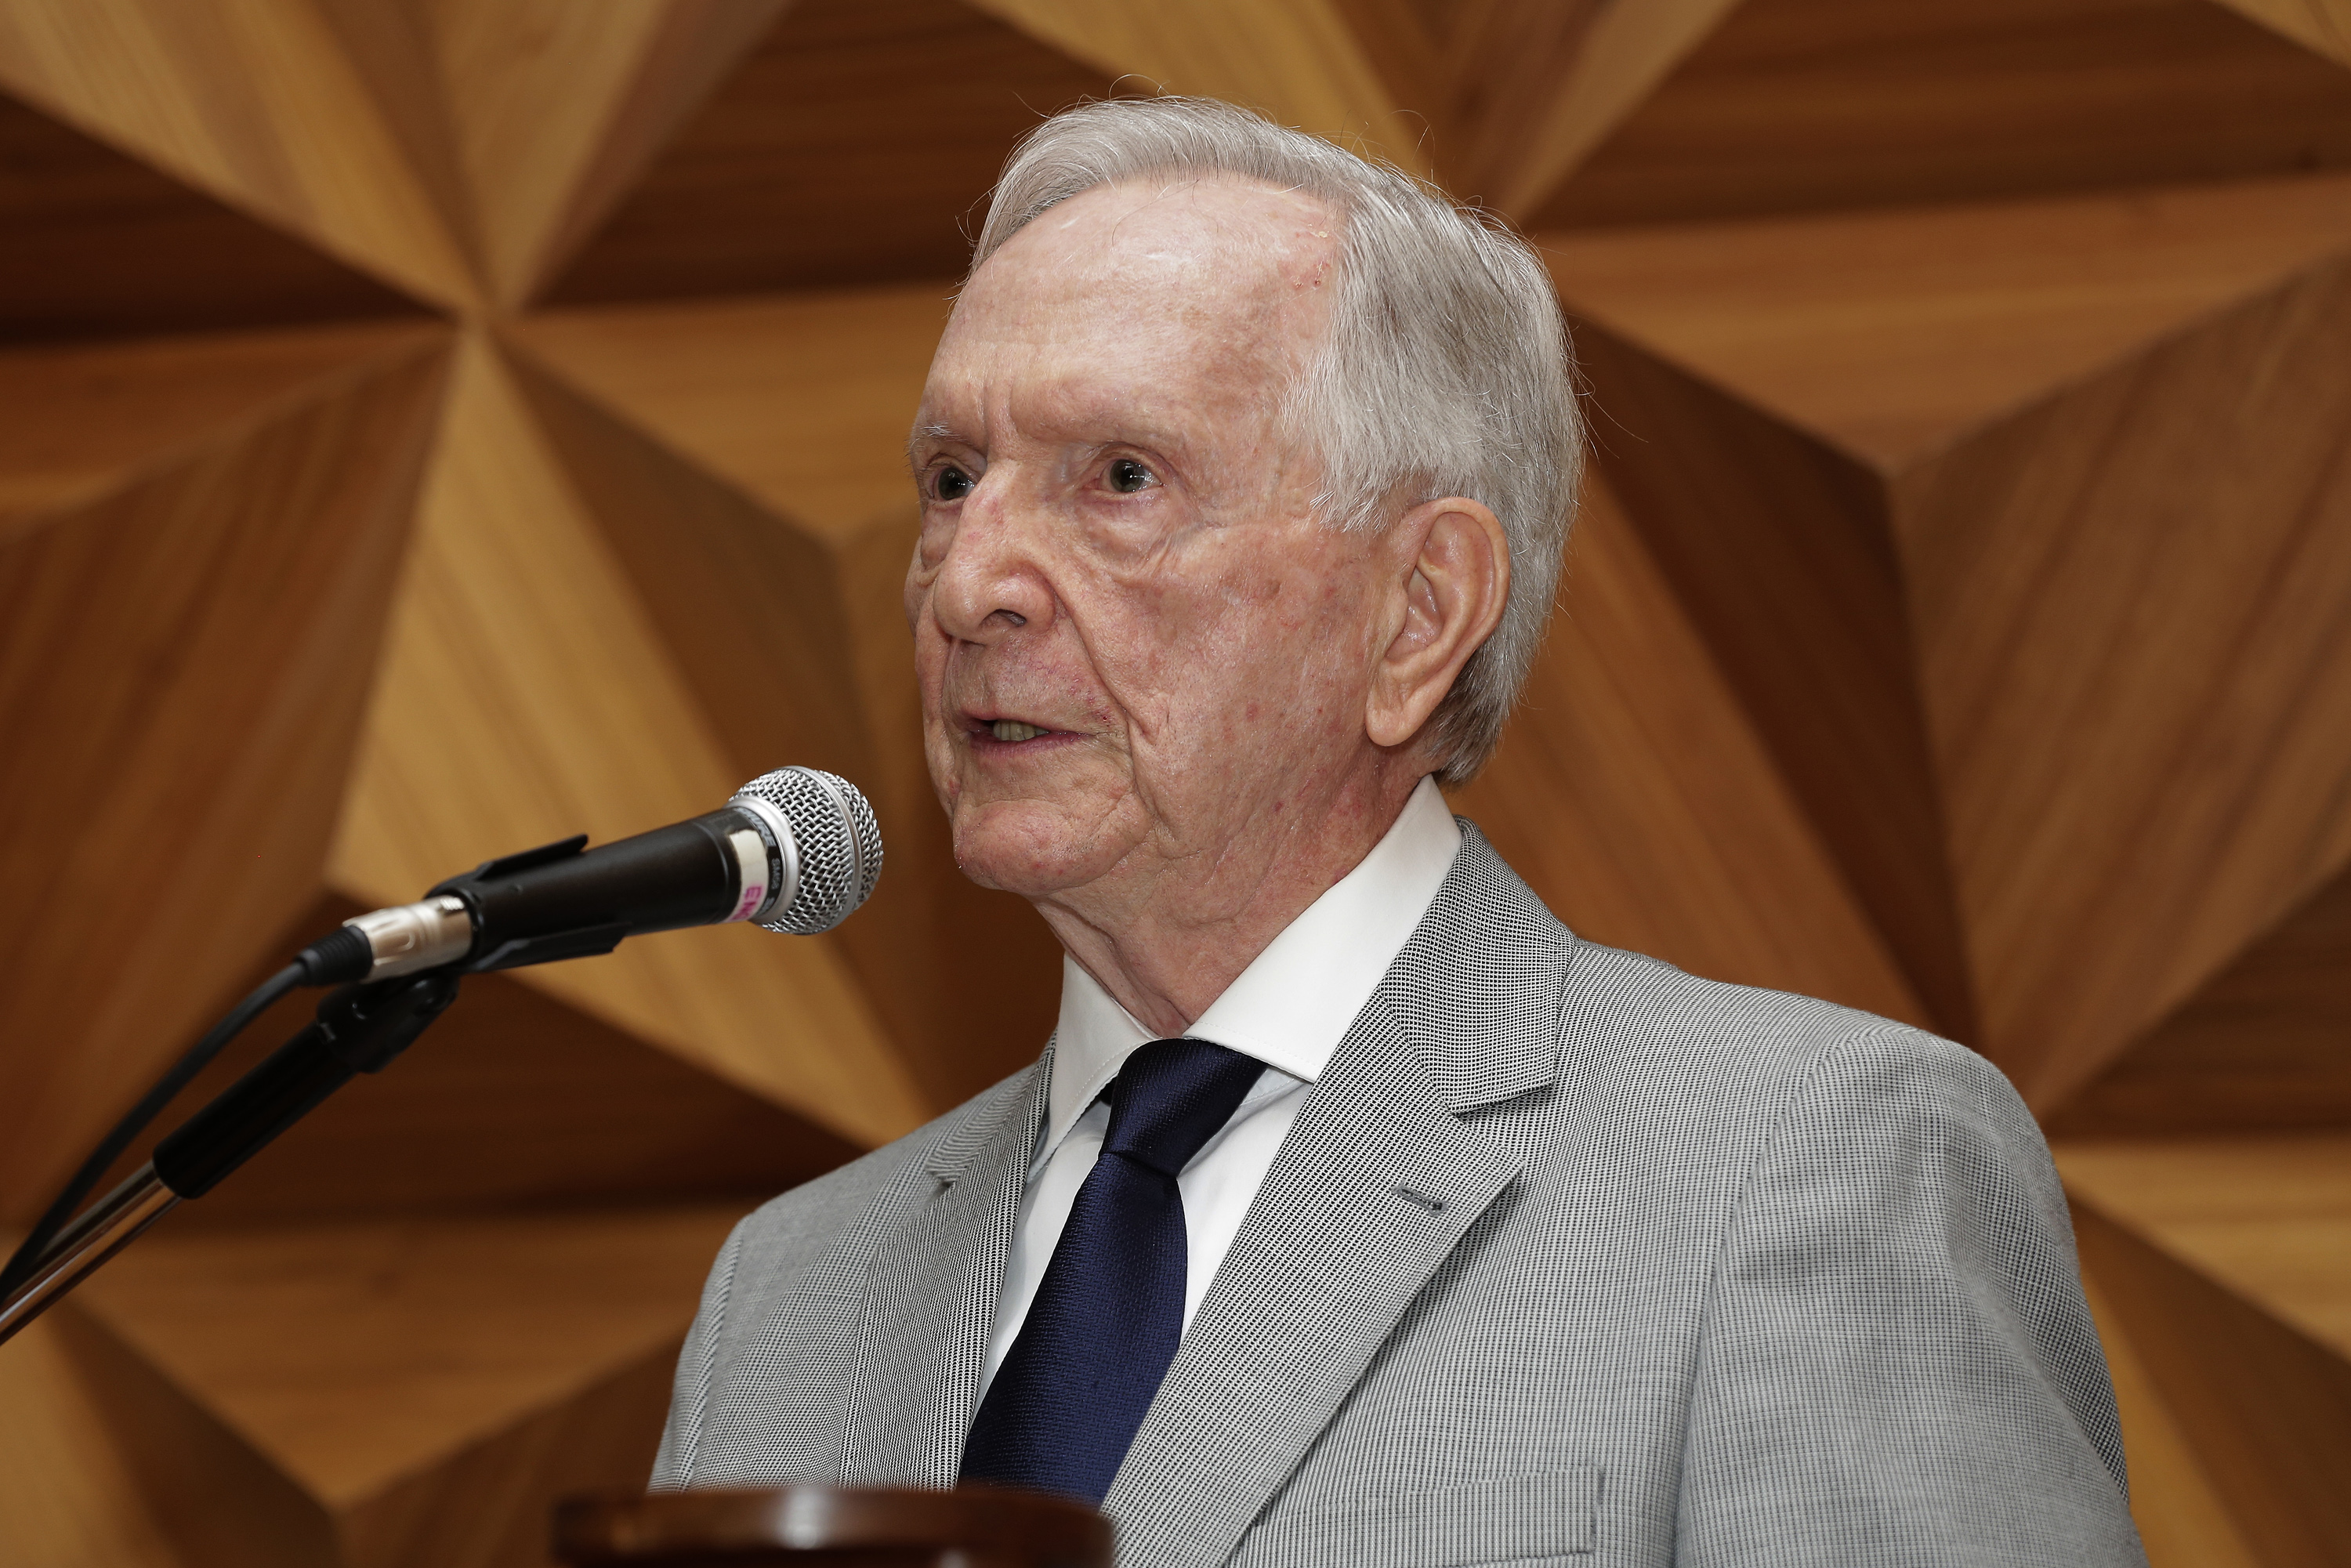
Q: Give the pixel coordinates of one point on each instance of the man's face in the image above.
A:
(1137, 646)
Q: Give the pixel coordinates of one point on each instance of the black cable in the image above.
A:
(343, 956)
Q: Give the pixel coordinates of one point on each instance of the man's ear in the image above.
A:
(1452, 572)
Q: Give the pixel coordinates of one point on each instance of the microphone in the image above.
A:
(796, 851)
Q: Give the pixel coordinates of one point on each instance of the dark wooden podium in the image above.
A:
(804, 1527)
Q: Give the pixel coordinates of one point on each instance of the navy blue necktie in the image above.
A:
(1108, 1312)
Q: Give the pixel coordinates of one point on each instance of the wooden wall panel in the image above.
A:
(514, 1102)
(803, 401)
(1778, 544)
(194, 647)
(1892, 334)
(493, 1503)
(1646, 809)
(1969, 521)
(762, 613)
(2323, 26)
(87, 422)
(219, 1501)
(68, 1495)
(252, 100)
(2201, 490)
(363, 1369)
(1957, 634)
(526, 695)
(2179, 1511)
(557, 108)
(1812, 104)
(2243, 1316)
(99, 245)
(2266, 1043)
(1296, 60)
(725, 432)
(850, 148)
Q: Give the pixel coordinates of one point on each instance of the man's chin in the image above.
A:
(1033, 848)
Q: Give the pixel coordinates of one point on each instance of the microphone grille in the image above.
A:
(840, 846)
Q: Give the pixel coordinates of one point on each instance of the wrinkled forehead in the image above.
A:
(1162, 268)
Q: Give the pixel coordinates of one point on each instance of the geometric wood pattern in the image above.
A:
(434, 428)
(2261, 1044)
(1647, 805)
(1953, 631)
(1816, 104)
(2228, 1265)
(853, 146)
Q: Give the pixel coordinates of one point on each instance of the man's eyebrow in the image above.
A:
(925, 432)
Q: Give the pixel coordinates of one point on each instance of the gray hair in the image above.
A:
(1445, 371)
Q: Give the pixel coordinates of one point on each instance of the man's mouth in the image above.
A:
(1013, 729)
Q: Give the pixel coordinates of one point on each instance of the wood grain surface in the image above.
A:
(1646, 809)
(193, 645)
(2242, 1313)
(253, 102)
(1805, 105)
(527, 695)
(2261, 1044)
(852, 147)
(99, 245)
(1957, 629)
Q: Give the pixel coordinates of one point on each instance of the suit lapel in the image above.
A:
(1377, 1183)
(930, 1301)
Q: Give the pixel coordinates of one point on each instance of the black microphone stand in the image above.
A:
(358, 1029)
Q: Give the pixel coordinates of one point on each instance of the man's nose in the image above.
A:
(993, 582)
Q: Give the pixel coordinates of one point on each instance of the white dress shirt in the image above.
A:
(1289, 1009)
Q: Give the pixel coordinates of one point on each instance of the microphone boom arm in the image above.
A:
(358, 1029)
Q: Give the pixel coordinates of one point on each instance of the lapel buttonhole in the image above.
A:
(1419, 1199)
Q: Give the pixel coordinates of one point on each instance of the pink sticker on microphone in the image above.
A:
(751, 857)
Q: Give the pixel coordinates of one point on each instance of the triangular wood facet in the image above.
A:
(2179, 1511)
(220, 1500)
(1634, 795)
(1298, 61)
(2321, 26)
(185, 716)
(2266, 1042)
(527, 695)
(2133, 614)
(390, 47)
(803, 402)
(356, 1360)
(853, 146)
(87, 420)
(1896, 334)
(796, 635)
(1600, 67)
(258, 104)
(1978, 562)
(512, 1101)
(2235, 1312)
(68, 1487)
(555, 109)
(101, 246)
(1803, 105)
(1777, 546)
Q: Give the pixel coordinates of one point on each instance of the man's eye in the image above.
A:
(951, 484)
(1126, 476)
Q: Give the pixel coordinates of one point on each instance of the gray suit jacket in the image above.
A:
(1570, 1257)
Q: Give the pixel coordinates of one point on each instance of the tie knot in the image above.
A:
(1171, 1097)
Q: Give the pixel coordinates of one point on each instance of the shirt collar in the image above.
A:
(1297, 999)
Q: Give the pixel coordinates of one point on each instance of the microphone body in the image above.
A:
(796, 850)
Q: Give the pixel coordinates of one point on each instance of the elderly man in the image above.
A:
(1357, 1211)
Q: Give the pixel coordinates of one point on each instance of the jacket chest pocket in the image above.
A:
(1502, 1518)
